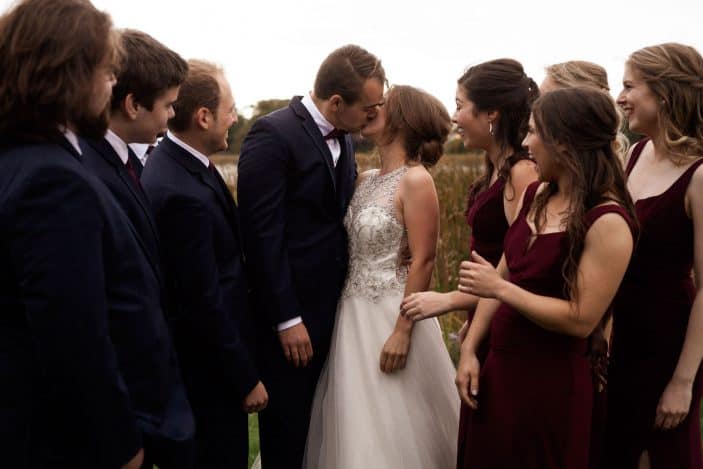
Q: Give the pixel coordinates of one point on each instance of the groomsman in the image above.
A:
(147, 85)
(63, 399)
(200, 235)
(296, 178)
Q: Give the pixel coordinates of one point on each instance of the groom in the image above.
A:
(296, 178)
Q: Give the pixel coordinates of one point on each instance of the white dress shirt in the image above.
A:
(72, 139)
(324, 126)
(141, 149)
(195, 153)
(118, 145)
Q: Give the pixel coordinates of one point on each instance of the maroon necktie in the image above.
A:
(132, 172)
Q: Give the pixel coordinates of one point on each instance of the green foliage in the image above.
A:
(241, 128)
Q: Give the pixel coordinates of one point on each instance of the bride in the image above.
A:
(386, 397)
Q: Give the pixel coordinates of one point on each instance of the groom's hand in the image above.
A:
(296, 345)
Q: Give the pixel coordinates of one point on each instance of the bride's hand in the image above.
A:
(395, 351)
(426, 304)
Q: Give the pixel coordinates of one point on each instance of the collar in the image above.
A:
(196, 154)
(322, 123)
(72, 139)
(118, 145)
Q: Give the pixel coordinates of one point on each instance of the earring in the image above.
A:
(490, 128)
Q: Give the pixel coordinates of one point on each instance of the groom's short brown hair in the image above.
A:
(200, 89)
(345, 71)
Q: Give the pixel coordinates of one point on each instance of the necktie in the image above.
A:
(132, 172)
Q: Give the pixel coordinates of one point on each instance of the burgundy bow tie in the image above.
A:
(336, 133)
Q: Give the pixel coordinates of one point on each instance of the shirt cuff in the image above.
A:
(289, 323)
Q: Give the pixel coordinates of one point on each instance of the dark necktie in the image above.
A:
(132, 172)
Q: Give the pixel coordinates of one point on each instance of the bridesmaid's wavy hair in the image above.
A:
(583, 73)
(50, 51)
(579, 127)
(420, 120)
(501, 85)
(674, 73)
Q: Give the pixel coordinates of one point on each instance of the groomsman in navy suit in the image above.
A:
(81, 372)
(296, 178)
(142, 102)
(200, 236)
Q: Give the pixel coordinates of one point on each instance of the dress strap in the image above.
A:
(596, 212)
(635, 155)
(529, 197)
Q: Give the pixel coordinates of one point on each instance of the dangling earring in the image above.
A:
(490, 128)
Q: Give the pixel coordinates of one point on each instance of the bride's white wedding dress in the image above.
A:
(363, 418)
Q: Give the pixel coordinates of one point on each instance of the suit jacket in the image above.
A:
(199, 230)
(293, 201)
(102, 159)
(63, 396)
(146, 303)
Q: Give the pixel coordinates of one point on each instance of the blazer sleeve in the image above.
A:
(187, 242)
(56, 245)
(261, 191)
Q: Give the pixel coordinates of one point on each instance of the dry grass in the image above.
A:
(452, 177)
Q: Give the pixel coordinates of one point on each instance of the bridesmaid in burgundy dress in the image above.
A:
(565, 255)
(493, 102)
(655, 379)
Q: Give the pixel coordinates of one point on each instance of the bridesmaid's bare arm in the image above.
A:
(420, 211)
(675, 402)
(467, 372)
(522, 174)
(607, 250)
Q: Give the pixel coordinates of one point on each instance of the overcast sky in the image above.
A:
(272, 48)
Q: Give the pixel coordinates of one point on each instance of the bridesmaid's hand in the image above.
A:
(426, 304)
(479, 277)
(674, 404)
(395, 351)
(467, 373)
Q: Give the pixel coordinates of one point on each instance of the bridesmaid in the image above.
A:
(655, 382)
(493, 101)
(564, 258)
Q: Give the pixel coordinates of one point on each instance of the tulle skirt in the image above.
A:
(363, 418)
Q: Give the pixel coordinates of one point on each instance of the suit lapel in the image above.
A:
(203, 174)
(104, 150)
(313, 132)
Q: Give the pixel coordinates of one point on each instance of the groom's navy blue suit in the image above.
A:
(210, 318)
(292, 200)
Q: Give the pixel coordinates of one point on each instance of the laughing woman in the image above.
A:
(565, 255)
(655, 380)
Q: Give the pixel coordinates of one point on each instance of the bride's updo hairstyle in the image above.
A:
(419, 120)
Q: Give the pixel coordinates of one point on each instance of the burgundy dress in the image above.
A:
(486, 217)
(536, 392)
(650, 314)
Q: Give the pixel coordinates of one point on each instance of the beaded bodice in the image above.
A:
(378, 245)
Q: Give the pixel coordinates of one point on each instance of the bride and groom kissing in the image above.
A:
(331, 255)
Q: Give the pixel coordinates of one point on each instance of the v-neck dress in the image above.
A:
(536, 391)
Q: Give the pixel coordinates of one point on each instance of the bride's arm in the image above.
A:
(420, 212)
